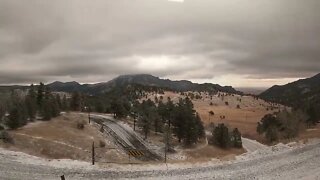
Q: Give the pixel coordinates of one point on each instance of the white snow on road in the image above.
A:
(252, 145)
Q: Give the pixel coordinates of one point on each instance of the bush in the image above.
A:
(1, 128)
(6, 138)
(102, 144)
(227, 103)
(281, 125)
(80, 125)
(238, 106)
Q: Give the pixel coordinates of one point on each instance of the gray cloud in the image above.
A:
(90, 41)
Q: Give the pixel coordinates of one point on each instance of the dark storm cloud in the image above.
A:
(92, 41)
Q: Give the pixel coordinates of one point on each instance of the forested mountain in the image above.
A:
(303, 94)
(140, 79)
(295, 92)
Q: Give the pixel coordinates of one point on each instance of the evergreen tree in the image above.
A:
(64, 104)
(180, 117)
(167, 137)
(187, 125)
(200, 128)
(76, 102)
(221, 136)
(2, 111)
(157, 121)
(58, 100)
(17, 116)
(236, 138)
(119, 108)
(40, 94)
(312, 120)
(31, 103)
(99, 107)
(50, 107)
(170, 111)
(46, 110)
(269, 125)
(147, 116)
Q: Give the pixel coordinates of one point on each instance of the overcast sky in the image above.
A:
(241, 43)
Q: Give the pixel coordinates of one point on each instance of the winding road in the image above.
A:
(125, 137)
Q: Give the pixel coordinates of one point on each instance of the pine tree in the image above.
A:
(64, 105)
(58, 100)
(99, 107)
(180, 117)
(76, 102)
(187, 125)
(119, 108)
(236, 138)
(312, 120)
(50, 107)
(17, 117)
(31, 103)
(167, 137)
(2, 111)
(270, 126)
(147, 115)
(221, 136)
(40, 94)
(157, 121)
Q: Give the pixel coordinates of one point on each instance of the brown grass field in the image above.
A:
(244, 118)
(61, 139)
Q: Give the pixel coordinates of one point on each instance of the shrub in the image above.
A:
(102, 144)
(227, 103)
(238, 106)
(281, 125)
(80, 125)
(6, 138)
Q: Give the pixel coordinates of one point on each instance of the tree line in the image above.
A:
(181, 119)
(38, 102)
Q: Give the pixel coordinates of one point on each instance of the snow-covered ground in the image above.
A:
(293, 161)
(251, 145)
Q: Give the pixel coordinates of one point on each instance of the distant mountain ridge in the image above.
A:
(297, 93)
(141, 79)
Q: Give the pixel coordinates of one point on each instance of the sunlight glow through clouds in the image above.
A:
(180, 1)
(162, 63)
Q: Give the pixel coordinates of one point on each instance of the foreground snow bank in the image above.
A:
(73, 164)
(24, 158)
